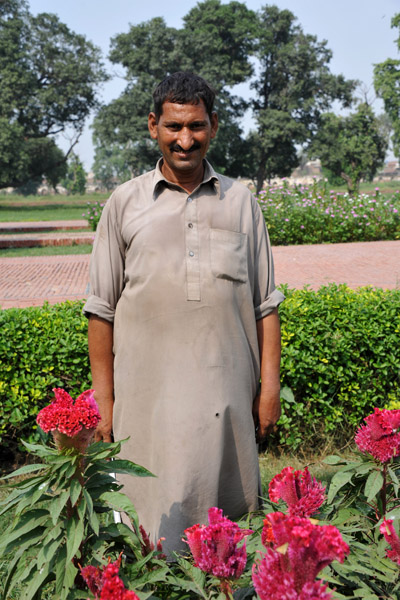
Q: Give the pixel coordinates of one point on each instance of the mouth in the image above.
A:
(183, 153)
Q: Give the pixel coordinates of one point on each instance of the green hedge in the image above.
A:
(340, 359)
(40, 348)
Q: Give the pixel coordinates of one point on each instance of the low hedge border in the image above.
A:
(340, 359)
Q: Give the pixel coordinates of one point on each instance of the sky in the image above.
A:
(357, 31)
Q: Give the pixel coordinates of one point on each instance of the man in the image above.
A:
(183, 320)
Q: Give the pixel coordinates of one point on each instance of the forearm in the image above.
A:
(100, 338)
(267, 407)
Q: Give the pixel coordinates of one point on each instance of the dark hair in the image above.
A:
(183, 87)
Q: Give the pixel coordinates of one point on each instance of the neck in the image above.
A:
(188, 181)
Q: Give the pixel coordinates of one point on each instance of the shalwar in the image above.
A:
(184, 277)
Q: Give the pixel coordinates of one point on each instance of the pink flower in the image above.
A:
(69, 418)
(392, 538)
(271, 583)
(106, 584)
(380, 437)
(300, 551)
(302, 493)
(214, 546)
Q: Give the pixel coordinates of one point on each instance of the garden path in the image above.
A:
(29, 281)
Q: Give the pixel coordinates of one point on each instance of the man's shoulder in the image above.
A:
(142, 182)
(235, 188)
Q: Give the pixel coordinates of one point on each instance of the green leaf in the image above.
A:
(332, 459)
(25, 524)
(373, 485)
(38, 580)
(339, 480)
(75, 532)
(287, 394)
(57, 505)
(94, 523)
(24, 470)
(118, 501)
(195, 576)
(26, 540)
(125, 466)
(11, 567)
(75, 491)
(69, 578)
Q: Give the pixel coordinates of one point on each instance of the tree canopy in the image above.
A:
(387, 86)
(227, 44)
(351, 147)
(49, 78)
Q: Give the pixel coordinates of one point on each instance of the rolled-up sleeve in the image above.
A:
(265, 297)
(107, 265)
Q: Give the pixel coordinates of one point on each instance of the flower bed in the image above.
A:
(316, 215)
(65, 544)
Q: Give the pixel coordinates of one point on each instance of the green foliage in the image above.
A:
(75, 180)
(63, 518)
(93, 213)
(40, 348)
(351, 147)
(387, 86)
(292, 87)
(315, 215)
(361, 493)
(340, 359)
(49, 78)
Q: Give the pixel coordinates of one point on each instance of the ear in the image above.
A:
(214, 124)
(152, 124)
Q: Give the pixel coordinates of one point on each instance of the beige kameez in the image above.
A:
(184, 278)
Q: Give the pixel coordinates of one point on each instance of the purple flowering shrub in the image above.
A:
(315, 215)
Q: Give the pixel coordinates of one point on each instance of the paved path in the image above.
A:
(29, 281)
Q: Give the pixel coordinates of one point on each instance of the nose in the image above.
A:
(185, 139)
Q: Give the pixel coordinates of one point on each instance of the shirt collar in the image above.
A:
(210, 176)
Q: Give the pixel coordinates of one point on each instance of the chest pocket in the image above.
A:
(228, 252)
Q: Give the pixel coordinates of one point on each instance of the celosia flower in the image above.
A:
(271, 583)
(302, 493)
(392, 538)
(68, 417)
(147, 545)
(300, 551)
(106, 584)
(380, 437)
(215, 546)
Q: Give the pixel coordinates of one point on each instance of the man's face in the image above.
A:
(183, 132)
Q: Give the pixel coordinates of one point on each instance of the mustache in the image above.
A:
(178, 148)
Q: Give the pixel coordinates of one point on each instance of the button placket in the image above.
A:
(192, 251)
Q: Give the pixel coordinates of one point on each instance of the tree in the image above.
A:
(351, 147)
(75, 180)
(49, 77)
(387, 86)
(293, 88)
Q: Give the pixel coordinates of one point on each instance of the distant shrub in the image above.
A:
(315, 215)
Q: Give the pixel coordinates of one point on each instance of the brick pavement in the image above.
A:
(29, 281)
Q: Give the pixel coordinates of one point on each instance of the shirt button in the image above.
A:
(190, 225)
(191, 253)
(189, 199)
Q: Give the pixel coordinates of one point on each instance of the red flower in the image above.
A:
(214, 546)
(300, 551)
(106, 584)
(392, 538)
(380, 437)
(69, 418)
(302, 493)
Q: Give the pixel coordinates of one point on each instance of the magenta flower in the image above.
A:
(302, 493)
(300, 551)
(271, 583)
(380, 437)
(105, 584)
(69, 418)
(392, 538)
(72, 424)
(215, 546)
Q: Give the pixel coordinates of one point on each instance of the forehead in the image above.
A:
(172, 111)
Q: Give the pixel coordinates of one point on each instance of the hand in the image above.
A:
(103, 432)
(266, 413)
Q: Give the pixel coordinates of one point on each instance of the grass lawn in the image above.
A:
(46, 250)
(45, 208)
